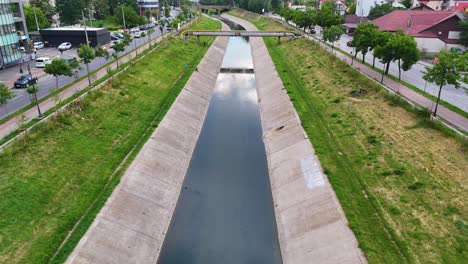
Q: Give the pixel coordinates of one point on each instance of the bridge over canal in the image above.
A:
(239, 33)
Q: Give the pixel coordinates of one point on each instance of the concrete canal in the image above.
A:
(225, 211)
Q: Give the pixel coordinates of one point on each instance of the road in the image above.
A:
(47, 83)
(457, 97)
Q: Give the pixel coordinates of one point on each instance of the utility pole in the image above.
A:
(90, 18)
(123, 16)
(35, 17)
(86, 31)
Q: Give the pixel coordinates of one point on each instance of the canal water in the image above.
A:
(225, 211)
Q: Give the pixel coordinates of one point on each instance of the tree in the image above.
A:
(287, 13)
(326, 17)
(132, 19)
(175, 23)
(333, 34)
(408, 54)
(464, 33)
(101, 52)
(42, 21)
(167, 10)
(58, 67)
(351, 9)
(70, 10)
(379, 40)
(363, 38)
(5, 95)
(44, 5)
(101, 8)
(150, 32)
(406, 3)
(87, 55)
(118, 47)
(304, 19)
(445, 72)
(380, 10)
(32, 91)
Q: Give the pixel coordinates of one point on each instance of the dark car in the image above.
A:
(349, 43)
(24, 81)
(312, 30)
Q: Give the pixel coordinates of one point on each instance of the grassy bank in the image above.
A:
(410, 86)
(63, 168)
(401, 183)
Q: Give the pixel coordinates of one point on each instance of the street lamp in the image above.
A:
(35, 17)
(86, 31)
(123, 16)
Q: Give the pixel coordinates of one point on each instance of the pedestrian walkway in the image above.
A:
(12, 124)
(454, 119)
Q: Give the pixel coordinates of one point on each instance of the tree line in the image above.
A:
(96, 9)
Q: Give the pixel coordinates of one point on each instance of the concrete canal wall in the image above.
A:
(131, 227)
(312, 227)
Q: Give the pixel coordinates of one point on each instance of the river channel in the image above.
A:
(225, 211)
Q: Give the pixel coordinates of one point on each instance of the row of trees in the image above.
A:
(70, 11)
(324, 17)
(385, 46)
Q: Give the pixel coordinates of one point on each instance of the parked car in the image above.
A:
(349, 43)
(38, 45)
(65, 46)
(21, 49)
(135, 29)
(312, 30)
(24, 81)
(112, 44)
(114, 36)
(137, 34)
(350, 34)
(42, 61)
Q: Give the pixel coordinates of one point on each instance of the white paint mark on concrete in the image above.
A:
(312, 172)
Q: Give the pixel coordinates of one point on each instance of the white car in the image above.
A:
(42, 62)
(137, 34)
(65, 46)
(38, 45)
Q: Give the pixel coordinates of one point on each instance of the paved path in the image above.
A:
(132, 225)
(11, 125)
(443, 112)
(312, 227)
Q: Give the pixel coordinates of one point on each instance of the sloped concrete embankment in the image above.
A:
(131, 227)
(311, 224)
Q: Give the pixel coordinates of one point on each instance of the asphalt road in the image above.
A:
(47, 83)
(457, 97)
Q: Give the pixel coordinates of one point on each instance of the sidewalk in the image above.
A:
(11, 125)
(444, 113)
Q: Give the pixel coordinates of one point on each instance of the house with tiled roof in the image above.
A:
(432, 30)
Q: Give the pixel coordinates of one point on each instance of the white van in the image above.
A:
(42, 61)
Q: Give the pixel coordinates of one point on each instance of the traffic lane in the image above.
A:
(47, 83)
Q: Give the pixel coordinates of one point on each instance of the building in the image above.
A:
(144, 5)
(363, 7)
(432, 30)
(75, 35)
(340, 8)
(431, 5)
(13, 32)
(352, 21)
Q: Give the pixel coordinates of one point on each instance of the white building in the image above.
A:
(363, 7)
(147, 5)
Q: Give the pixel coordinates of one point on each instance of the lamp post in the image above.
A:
(35, 17)
(123, 16)
(86, 31)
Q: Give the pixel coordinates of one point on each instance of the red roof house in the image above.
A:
(432, 30)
